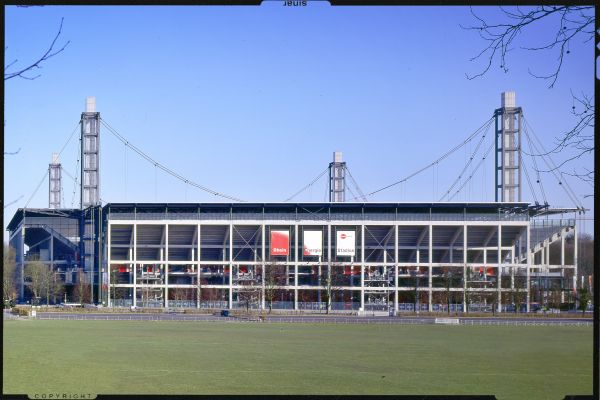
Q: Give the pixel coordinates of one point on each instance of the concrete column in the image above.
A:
(396, 267)
(166, 259)
(418, 299)
(20, 255)
(465, 259)
(199, 273)
(230, 300)
(528, 265)
(430, 267)
(575, 260)
(108, 302)
(296, 267)
(329, 301)
(499, 269)
(264, 265)
(134, 264)
(362, 267)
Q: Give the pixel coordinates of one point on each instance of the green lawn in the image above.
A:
(231, 358)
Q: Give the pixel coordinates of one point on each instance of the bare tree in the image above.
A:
(8, 275)
(519, 290)
(23, 71)
(571, 24)
(332, 281)
(448, 279)
(82, 288)
(274, 278)
(35, 271)
(53, 286)
(249, 295)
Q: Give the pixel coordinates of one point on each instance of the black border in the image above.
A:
(596, 325)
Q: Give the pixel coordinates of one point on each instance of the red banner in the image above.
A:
(280, 243)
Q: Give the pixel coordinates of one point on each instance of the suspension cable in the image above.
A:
(164, 168)
(472, 157)
(444, 156)
(473, 171)
(535, 167)
(307, 186)
(360, 192)
(37, 188)
(70, 137)
(529, 180)
(553, 168)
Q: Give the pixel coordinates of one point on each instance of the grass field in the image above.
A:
(124, 357)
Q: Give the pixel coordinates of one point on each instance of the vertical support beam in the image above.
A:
(264, 266)
(575, 260)
(134, 264)
(166, 259)
(199, 272)
(362, 267)
(54, 182)
(465, 259)
(329, 302)
(562, 264)
(499, 269)
(528, 265)
(337, 179)
(296, 267)
(230, 300)
(430, 267)
(20, 255)
(90, 155)
(52, 250)
(108, 245)
(396, 267)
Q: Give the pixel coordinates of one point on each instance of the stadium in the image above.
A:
(342, 256)
(337, 255)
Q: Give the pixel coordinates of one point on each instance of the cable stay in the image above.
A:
(37, 188)
(535, 167)
(487, 152)
(164, 168)
(307, 186)
(441, 158)
(13, 202)
(351, 192)
(70, 137)
(75, 179)
(471, 158)
(552, 168)
(555, 168)
(47, 171)
(360, 192)
(529, 182)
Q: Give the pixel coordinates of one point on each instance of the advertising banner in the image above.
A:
(345, 241)
(280, 243)
(313, 241)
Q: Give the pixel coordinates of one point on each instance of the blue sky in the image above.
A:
(252, 101)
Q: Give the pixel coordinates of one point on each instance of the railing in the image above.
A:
(304, 320)
(322, 216)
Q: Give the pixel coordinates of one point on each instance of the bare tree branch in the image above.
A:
(572, 23)
(51, 52)
(575, 22)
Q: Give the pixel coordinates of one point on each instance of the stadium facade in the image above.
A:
(343, 256)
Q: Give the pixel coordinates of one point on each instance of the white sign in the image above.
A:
(345, 243)
(313, 243)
